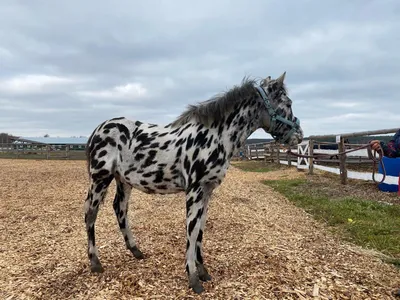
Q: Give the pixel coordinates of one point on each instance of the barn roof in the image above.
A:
(53, 140)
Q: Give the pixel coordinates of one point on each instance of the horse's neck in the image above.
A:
(244, 122)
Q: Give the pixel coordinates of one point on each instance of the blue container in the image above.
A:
(392, 166)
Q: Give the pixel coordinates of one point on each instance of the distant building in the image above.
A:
(52, 140)
(76, 143)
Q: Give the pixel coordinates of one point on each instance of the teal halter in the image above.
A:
(274, 118)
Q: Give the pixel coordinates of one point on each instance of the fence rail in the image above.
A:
(40, 151)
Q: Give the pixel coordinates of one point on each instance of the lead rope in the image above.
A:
(373, 157)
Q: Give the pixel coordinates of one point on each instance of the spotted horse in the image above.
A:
(190, 155)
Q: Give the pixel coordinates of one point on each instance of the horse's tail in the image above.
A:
(87, 152)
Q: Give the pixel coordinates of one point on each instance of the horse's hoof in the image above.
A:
(195, 284)
(136, 252)
(203, 273)
(197, 288)
(98, 268)
(205, 277)
(397, 294)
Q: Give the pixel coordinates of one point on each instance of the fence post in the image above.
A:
(47, 152)
(289, 158)
(67, 151)
(265, 153)
(274, 155)
(278, 151)
(311, 159)
(343, 170)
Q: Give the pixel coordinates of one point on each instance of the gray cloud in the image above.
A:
(67, 65)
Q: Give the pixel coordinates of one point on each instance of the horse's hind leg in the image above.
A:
(96, 194)
(121, 205)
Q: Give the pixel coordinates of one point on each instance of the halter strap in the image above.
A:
(274, 117)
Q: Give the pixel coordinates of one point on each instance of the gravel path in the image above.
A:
(257, 244)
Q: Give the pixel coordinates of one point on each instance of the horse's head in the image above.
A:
(277, 115)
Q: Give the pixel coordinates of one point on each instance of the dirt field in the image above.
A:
(257, 244)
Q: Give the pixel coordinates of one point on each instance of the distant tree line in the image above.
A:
(6, 138)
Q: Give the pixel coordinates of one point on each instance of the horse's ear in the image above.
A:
(266, 81)
(281, 78)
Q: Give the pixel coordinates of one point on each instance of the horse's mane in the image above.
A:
(218, 106)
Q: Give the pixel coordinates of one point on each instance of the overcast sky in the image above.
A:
(66, 66)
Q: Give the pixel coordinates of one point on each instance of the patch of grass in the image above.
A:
(257, 166)
(370, 224)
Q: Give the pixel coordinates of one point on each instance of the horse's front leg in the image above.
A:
(201, 269)
(196, 209)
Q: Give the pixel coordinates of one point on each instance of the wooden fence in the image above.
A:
(273, 152)
(254, 151)
(41, 151)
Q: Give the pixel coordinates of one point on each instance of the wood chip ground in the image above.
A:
(257, 244)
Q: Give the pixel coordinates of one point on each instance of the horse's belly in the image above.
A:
(165, 187)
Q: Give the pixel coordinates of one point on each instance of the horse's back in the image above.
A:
(139, 154)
